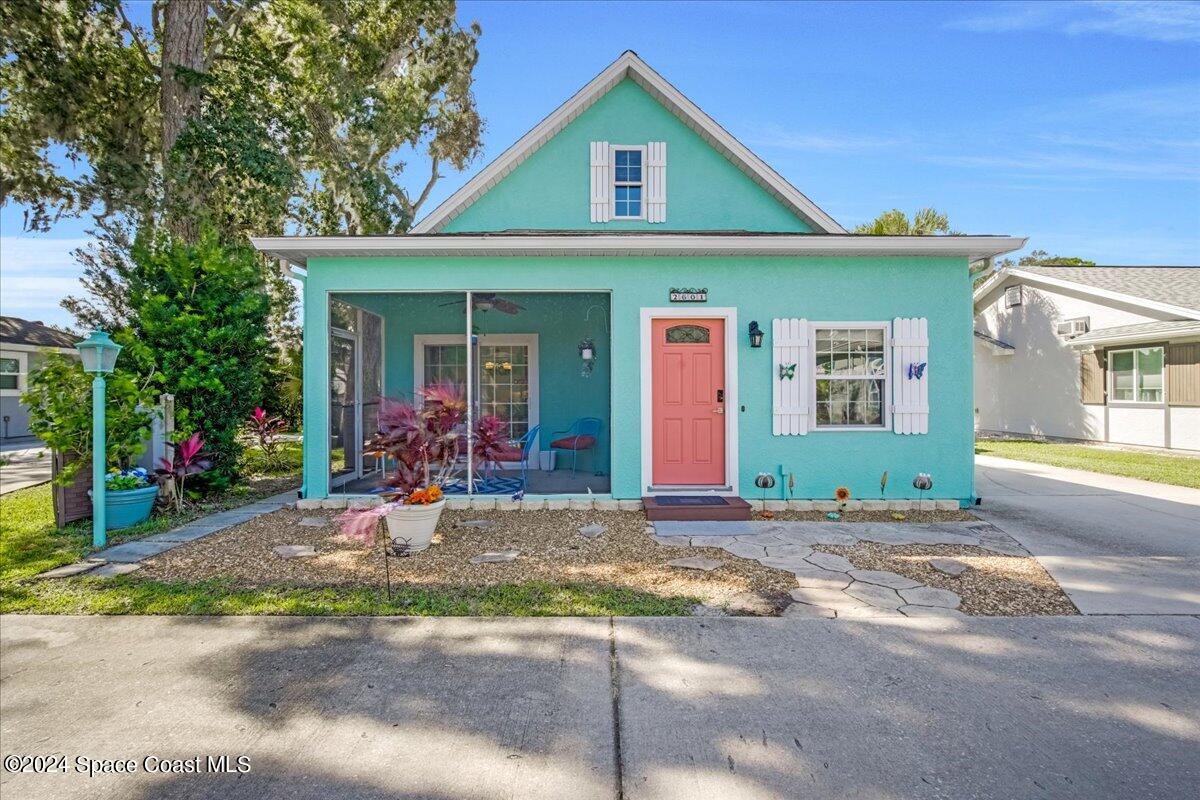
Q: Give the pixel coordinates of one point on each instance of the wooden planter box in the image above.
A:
(71, 502)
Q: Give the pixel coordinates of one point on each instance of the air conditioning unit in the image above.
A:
(1074, 327)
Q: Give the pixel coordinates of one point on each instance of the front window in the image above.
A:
(627, 183)
(10, 374)
(501, 378)
(851, 377)
(1137, 375)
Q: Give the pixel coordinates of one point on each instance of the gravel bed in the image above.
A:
(873, 516)
(995, 585)
(551, 549)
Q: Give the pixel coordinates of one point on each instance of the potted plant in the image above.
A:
(129, 498)
(423, 442)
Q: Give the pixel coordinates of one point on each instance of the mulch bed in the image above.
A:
(551, 549)
(995, 585)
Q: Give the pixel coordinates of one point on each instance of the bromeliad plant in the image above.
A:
(190, 459)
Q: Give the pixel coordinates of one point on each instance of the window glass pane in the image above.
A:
(8, 381)
(10, 365)
(687, 334)
(854, 360)
(1149, 374)
(343, 315)
(1121, 365)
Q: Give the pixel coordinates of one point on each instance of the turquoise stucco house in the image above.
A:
(655, 311)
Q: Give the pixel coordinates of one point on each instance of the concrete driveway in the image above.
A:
(735, 709)
(23, 465)
(1116, 545)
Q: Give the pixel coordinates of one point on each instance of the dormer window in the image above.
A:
(628, 182)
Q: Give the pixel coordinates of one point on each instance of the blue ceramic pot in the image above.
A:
(129, 507)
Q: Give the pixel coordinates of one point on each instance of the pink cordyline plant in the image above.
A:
(424, 441)
(266, 429)
(190, 459)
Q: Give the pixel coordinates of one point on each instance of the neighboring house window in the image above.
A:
(1074, 327)
(12, 373)
(628, 182)
(1137, 375)
(851, 376)
(1012, 296)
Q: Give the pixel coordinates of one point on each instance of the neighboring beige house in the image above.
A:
(1103, 354)
(23, 346)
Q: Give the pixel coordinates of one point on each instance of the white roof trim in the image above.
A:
(298, 249)
(1141, 336)
(630, 65)
(1013, 272)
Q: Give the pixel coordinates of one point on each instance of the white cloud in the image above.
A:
(1174, 21)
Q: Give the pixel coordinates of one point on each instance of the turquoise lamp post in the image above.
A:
(99, 355)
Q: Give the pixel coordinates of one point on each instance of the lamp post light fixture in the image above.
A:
(98, 353)
(756, 334)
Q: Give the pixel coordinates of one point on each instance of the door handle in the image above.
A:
(718, 411)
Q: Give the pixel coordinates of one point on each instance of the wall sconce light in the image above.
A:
(587, 352)
(756, 334)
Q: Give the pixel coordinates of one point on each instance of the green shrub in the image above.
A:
(59, 398)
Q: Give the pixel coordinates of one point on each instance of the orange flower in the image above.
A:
(841, 494)
(418, 498)
(434, 492)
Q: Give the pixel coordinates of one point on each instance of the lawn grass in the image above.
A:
(30, 544)
(1175, 470)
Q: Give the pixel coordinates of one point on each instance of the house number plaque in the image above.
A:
(689, 295)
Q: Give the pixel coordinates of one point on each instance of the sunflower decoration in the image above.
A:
(842, 495)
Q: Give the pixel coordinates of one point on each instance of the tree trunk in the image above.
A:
(182, 46)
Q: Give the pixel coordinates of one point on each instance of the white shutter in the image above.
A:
(656, 182)
(789, 343)
(601, 181)
(910, 396)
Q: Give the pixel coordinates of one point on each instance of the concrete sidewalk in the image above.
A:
(25, 465)
(728, 709)
(1115, 545)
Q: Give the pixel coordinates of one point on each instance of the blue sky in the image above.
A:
(1075, 124)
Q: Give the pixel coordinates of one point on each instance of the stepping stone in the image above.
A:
(786, 564)
(313, 522)
(793, 551)
(673, 541)
(497, 557)
(883, 578)
(817, 578)
(874, 595)
(828, 598)
(948, 566)
(930, 611)
(746, 550)
(68, 570)
(135, 551)
(113, 570)
(830, 561)
(869, 612)
(674, 527)
(592, 531)
(482, 524)
(695, 562)
(806, 610)
(929, 596)
(295, 550)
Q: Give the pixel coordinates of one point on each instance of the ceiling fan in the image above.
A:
(483, 301)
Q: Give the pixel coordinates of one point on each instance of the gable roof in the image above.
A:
(1174, 290)
(1138, 332)
(14, 330)
(631, 66)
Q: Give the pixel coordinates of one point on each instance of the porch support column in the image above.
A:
(470, 400)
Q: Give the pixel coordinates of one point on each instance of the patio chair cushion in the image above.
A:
(574, 443)
(508, 454)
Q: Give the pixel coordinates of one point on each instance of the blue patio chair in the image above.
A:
(526, 443)
(584, 434)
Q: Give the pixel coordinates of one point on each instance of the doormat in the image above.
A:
(691, 500)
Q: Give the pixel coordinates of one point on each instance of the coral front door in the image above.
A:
(688, 371)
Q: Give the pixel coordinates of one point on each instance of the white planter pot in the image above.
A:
(546, 460)
(415, 524)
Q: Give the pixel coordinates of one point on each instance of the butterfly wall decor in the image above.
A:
(787, 372)
(915, 371)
